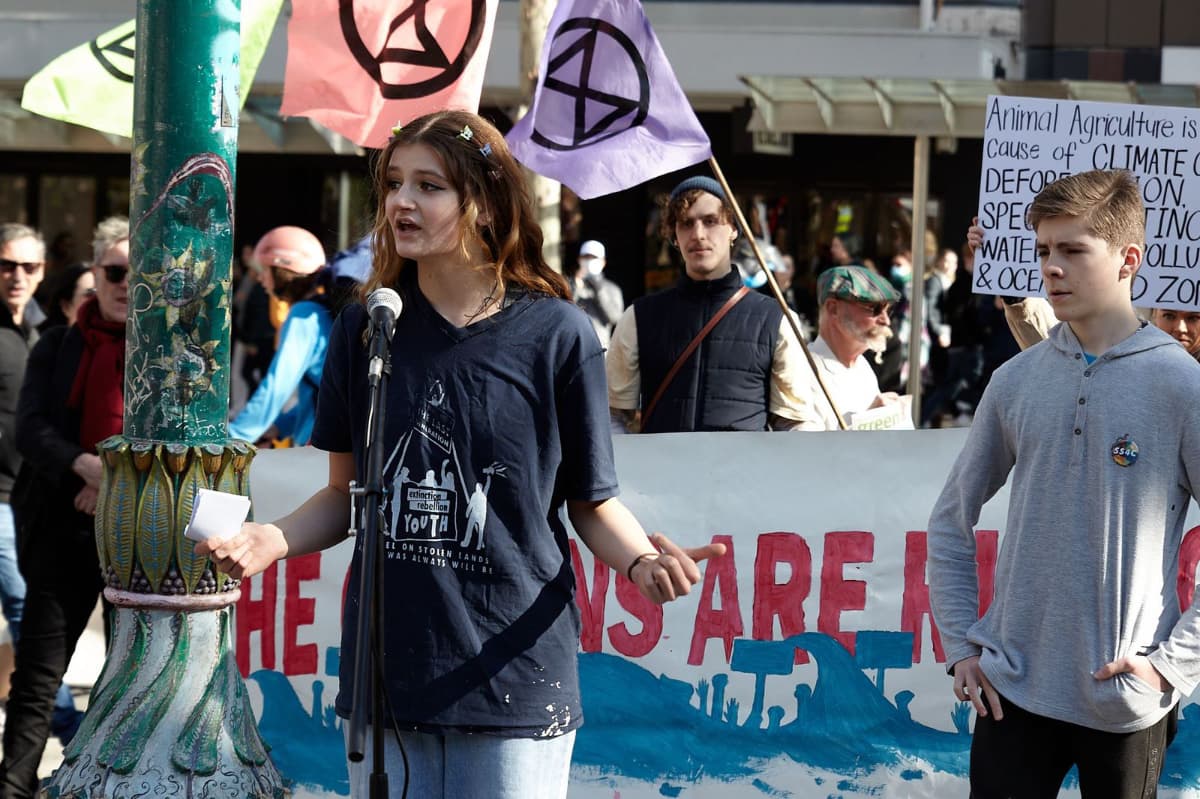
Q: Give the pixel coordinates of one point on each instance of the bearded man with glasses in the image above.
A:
(854, 304)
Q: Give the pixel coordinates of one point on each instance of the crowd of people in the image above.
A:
(511, 380)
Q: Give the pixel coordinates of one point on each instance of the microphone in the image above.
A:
(383, 306)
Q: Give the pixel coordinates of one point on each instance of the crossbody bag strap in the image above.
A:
(704, 331)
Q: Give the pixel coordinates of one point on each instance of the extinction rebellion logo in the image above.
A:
(603, 102)
(116, 55)
(429, 54)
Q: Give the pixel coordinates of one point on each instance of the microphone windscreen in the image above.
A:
(384, 298)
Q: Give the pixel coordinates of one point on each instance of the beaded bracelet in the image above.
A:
(636, 561)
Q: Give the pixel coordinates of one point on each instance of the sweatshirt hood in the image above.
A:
(1146, 337)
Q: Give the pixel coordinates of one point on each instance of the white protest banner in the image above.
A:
(1029, 143)
(805, 664)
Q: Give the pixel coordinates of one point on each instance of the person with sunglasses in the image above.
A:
(22, 252)
(71, 399)
(293, 264)
(853, 307)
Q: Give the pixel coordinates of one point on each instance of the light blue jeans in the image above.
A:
(12, 584)
(455, 766)
(12, 603)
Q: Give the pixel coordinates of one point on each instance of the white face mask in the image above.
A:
(595, 266)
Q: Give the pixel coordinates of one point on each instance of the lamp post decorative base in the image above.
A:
(170, 715)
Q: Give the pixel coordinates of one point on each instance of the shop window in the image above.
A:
(116, 197)
(345, 201)
(14, 190)
(66, 217)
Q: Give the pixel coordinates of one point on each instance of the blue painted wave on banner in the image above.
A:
(842, 724)
(650, 728)
(659, 729)
(306, 745)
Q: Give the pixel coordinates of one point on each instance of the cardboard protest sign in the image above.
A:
(1029, 143)
(805, 664)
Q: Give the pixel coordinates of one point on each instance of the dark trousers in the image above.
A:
(63, 578)
(1026, 756)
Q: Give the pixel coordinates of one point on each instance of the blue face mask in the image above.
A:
(757, 280)
(900, 274)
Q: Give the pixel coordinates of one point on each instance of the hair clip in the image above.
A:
(466, 134)
(399, 126)
(486, 150)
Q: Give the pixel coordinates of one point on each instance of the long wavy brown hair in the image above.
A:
(489, 181)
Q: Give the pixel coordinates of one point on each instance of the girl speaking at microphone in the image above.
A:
(496, 418)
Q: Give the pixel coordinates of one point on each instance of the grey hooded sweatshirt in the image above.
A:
(1104, 460)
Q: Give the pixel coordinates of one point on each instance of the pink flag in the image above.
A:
(361, 66)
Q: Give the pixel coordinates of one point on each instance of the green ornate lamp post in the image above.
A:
(169, 716)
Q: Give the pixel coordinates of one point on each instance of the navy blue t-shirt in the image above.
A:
(488, 430)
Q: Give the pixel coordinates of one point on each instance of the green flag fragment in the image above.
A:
(92, 85)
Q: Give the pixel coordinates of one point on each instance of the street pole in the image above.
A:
(546, 193)
(917, 309)
(170, 716)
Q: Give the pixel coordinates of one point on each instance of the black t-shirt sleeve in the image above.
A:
(588, 471)
(332, 429)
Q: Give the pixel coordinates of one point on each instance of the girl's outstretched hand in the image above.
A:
(672, 573)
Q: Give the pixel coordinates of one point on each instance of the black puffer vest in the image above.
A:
(724, 384)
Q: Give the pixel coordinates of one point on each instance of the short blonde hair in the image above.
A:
(1108, 202)
(108, 234)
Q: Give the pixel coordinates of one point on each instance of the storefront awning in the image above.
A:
(260, 130)
(921, 107)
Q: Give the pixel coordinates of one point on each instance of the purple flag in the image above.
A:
(608, 112)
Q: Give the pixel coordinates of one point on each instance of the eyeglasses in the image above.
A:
(8, 266)
(114, 273)
(875, 308)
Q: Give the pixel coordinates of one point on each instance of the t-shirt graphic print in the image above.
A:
(436, 513)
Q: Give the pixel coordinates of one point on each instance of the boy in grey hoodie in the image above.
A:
(1083, 654)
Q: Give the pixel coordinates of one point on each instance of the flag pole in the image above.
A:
(787, 312)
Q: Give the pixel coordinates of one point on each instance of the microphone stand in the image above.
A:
(368, 666)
